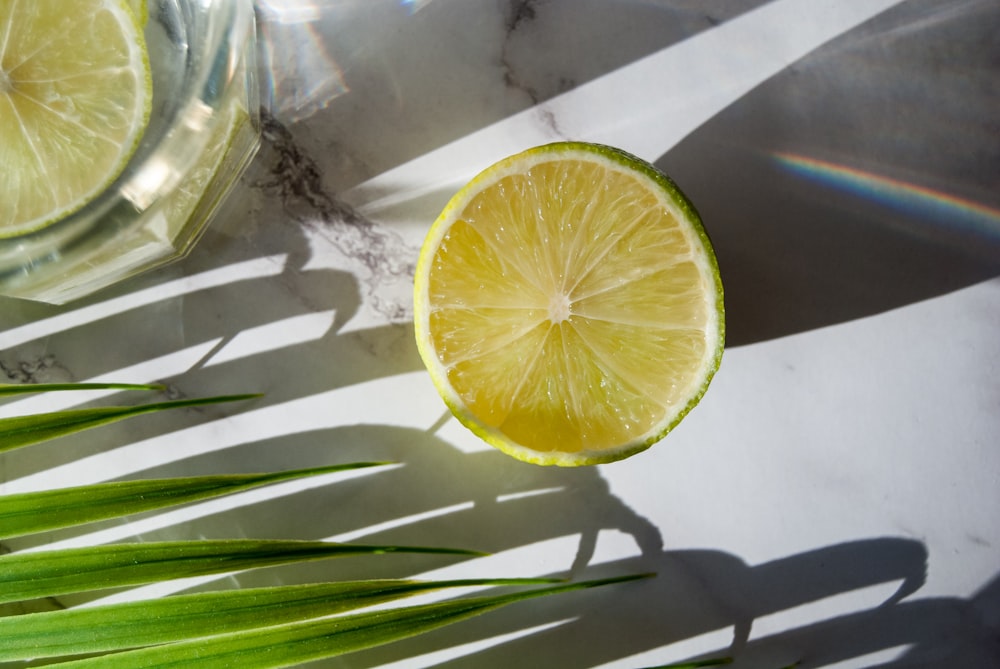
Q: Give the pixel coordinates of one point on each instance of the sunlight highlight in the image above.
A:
(287, 332)
(877, 659)
(817, 612)
(962, 214)
(465, 650)
(414, 6)
(645, 107)
(304, 79)
(67, 320)
(148, 371)
(348, 405)
(683, 650)
(354, 535)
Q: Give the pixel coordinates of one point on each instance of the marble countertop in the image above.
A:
(835, 498)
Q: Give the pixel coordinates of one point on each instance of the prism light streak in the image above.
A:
(962, 214)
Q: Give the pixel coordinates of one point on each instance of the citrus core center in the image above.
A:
(5, 83)
(559, 308)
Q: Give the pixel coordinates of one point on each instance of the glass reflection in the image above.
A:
(301, 76)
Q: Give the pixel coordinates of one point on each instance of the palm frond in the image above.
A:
(261, 627)
(33, 575)
(128, 625)
(26, 388)
(29, 513)
(315, 639)
(20, 431)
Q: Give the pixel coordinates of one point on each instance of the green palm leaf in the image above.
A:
(21, 431)
(136, 624)
(27, 513)
(24, 388)
(295, 643)
(262, 627)
(25, 576)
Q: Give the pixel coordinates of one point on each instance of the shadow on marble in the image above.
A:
(860, 179)
(796, 254)
(383, 81)
(794, 259)
(701, 592)
(277, 334)
(975, 642)
(696, 592)
(798, 249)
(486, 498)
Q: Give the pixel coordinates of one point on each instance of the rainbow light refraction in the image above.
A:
(961, 214)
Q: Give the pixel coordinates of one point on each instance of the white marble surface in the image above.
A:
(834, 499)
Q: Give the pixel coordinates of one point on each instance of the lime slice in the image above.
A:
(75, 95)
(568, 305)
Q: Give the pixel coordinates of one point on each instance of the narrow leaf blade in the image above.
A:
(25, 576)
(19, 431)
(295, 643)
(182, 617)
(24, 388)
(28, 513)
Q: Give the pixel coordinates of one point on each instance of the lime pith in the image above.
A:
(568, 305)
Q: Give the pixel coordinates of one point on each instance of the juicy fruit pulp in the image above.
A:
(74, 99)
(568, 305)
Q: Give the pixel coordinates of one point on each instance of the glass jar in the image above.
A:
(204, 128)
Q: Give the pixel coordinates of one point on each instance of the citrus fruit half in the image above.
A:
(568, 305)
(75, 95)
